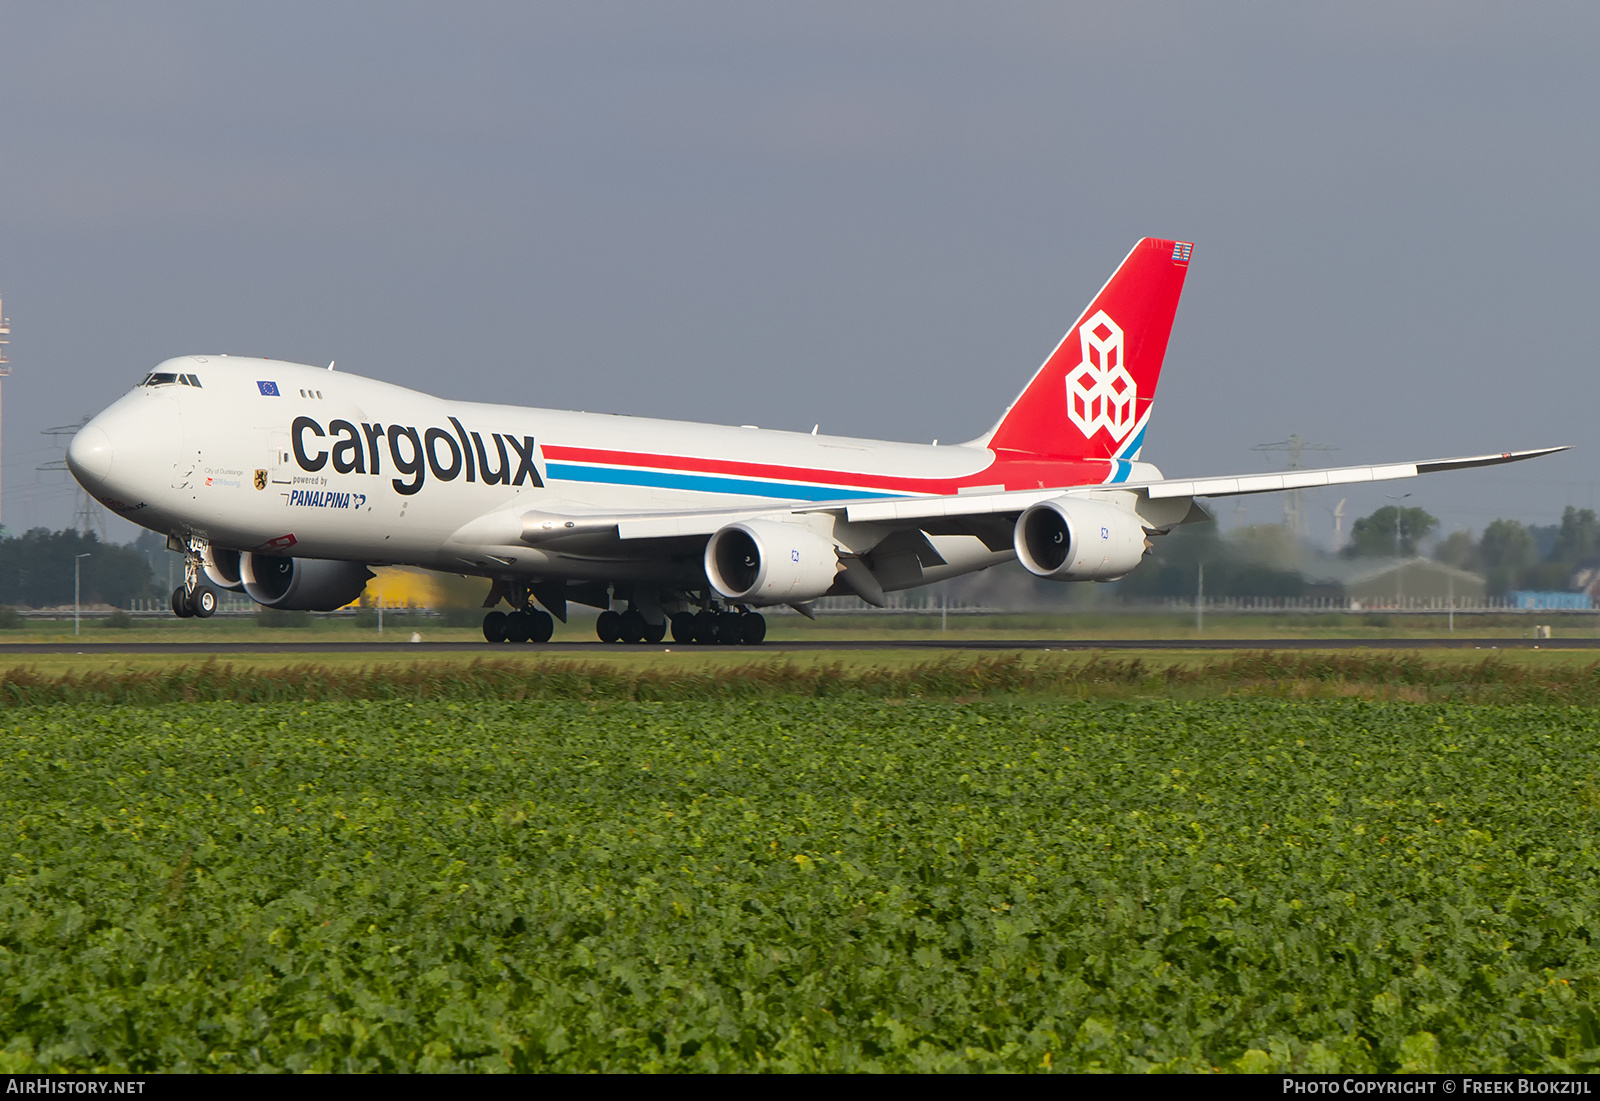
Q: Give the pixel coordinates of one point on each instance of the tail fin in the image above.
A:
(1092, 397)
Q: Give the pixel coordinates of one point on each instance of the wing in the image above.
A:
(571, 529)
(918, 508)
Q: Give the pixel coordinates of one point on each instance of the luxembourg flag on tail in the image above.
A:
(1092, 397)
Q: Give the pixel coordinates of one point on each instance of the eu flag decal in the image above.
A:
(1181, 251)
(269, 389)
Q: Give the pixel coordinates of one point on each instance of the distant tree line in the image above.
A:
(1266, 561)
(1511, 555)
(36, 570)
(1232, 568)
(1391, 532)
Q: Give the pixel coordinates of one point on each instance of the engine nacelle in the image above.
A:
(769, 562)
(1066, 539)
(222, 569)
(302, 584)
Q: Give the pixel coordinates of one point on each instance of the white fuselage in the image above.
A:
(282, 458)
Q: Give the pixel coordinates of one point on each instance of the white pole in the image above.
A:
(1399, 517)
(1199, 602)
(75, 590)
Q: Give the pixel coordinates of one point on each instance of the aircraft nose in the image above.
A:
(89, 454)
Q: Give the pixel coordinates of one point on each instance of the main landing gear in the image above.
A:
(194, 597)
(527, 622)
(628, 626)
(528, 625)
(710, 627)
(719, 628)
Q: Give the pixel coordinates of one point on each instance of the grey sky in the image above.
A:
(878, 217)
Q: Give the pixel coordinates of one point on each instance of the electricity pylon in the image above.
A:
(1294, 512)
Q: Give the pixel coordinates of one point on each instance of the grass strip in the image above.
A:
(1385, 676)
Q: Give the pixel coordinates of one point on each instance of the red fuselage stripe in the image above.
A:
(1013, 474)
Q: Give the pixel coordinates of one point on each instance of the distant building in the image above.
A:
(1549, 602)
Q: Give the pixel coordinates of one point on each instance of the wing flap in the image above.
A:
(933, 508)
(1270, 483)
(668, 526)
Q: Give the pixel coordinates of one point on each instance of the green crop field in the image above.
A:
(957, 869)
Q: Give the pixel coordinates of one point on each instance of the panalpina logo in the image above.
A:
(1100, 392)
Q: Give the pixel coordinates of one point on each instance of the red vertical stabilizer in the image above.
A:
(1092, 397)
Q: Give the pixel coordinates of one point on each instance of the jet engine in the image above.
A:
(1067, 539)
(302, 584)
(222, 569)
(768, 562)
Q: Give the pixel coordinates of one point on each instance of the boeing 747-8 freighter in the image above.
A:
(288, 481)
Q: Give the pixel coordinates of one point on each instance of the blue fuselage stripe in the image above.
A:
(705, 483)
(1133, 445)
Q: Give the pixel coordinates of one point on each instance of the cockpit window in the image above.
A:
(163, 378)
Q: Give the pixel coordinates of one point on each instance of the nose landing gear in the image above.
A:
(194, 597)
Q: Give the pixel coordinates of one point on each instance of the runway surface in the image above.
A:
(483, 649)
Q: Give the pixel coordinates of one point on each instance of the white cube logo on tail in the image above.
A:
(1100, 392)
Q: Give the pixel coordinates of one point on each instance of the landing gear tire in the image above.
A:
(655, 632)
(180, 603)
(705, 628)
(729, 629)
(608, 625)
(517, 627)
(540, 626)
(632, 626)
(203, 602)
(752, 629)
(494, 627)
(683, 627)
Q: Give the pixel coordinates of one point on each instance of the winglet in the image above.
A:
(1433, 466)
